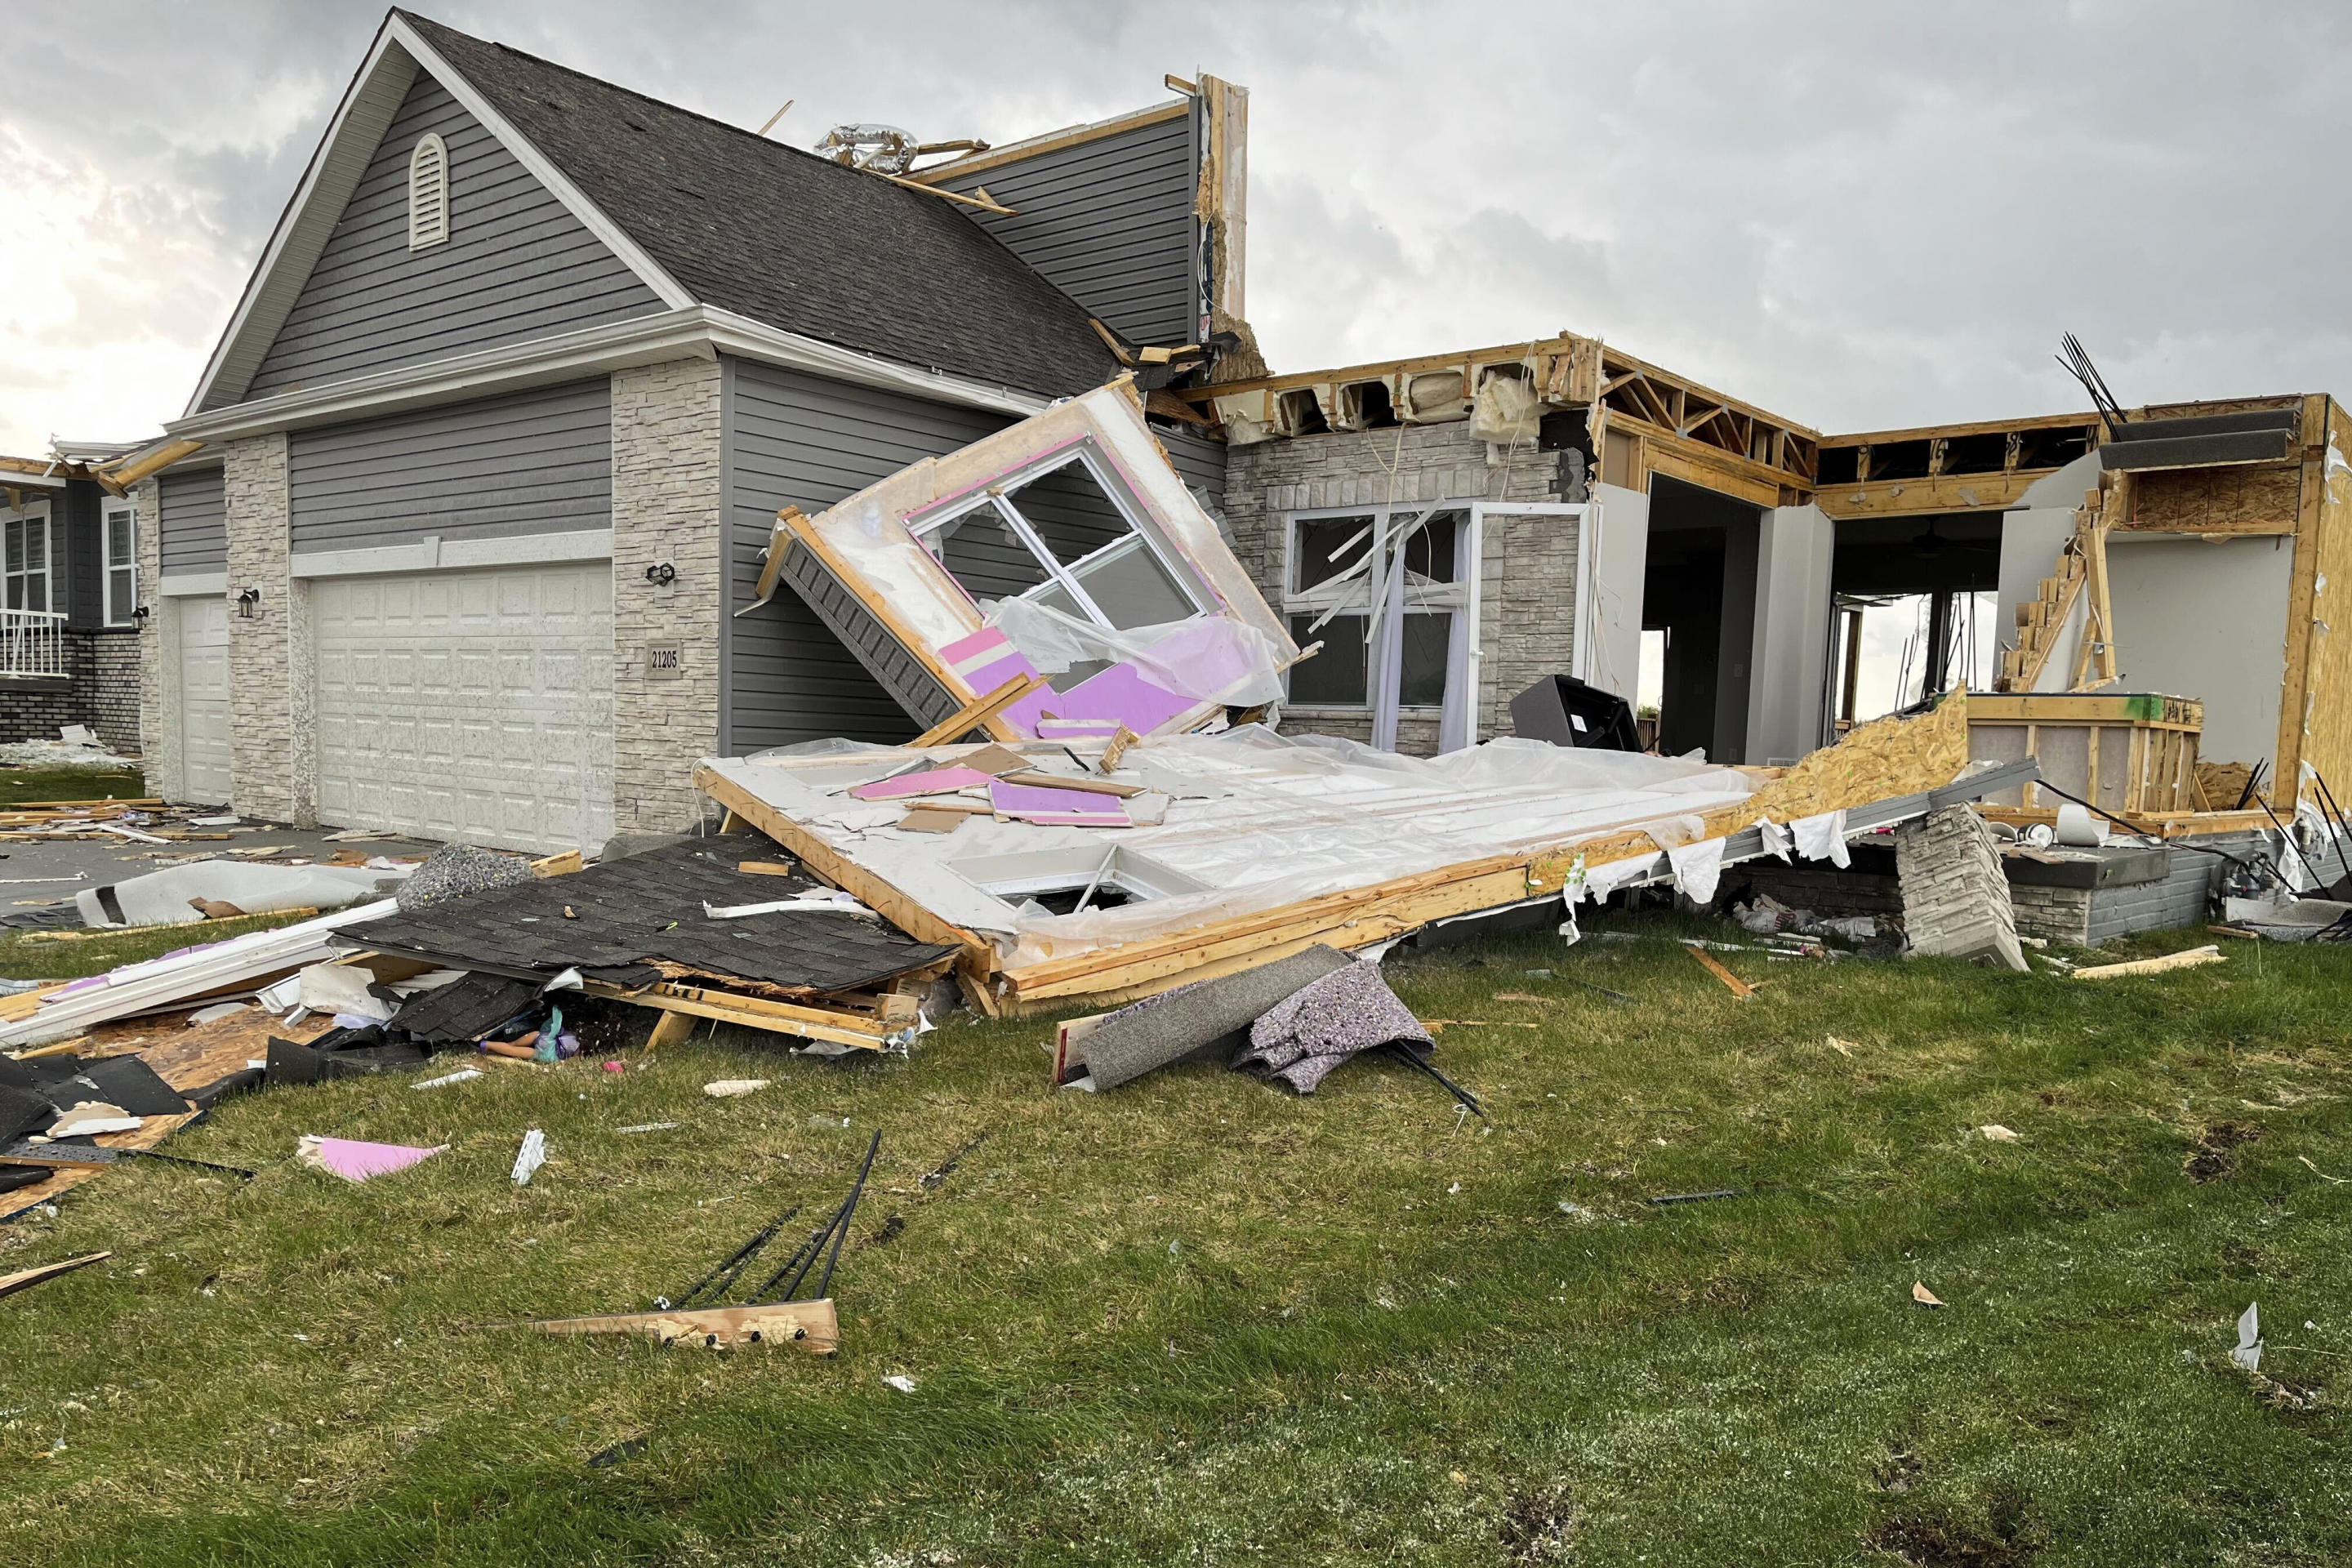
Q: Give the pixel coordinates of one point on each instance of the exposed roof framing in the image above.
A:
(1983, 466)
(1689, 425)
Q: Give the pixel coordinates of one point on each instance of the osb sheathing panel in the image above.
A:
(2322, 632)
(1878, 761)
(2243, 499)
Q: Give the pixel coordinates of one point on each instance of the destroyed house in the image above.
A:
(462, 530)
(2138, 597)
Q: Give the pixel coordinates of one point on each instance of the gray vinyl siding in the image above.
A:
(531, 462)
(76, 581)
(517, 265)
(801, 440)
(1201, 462)
(195, 522)
(1110, 223)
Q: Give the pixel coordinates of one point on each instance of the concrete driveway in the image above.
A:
(36, 874)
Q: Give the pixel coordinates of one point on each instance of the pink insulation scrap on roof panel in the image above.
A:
(986, 660)
(1061, 807)
(1120, 694)
(933, 780)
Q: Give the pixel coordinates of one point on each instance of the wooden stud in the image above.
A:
(25, 1278)
(672, 1028)
(977, 712)
(1736, 986)
(813, 1326)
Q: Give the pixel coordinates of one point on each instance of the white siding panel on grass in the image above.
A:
(469, 706)
(204, 700)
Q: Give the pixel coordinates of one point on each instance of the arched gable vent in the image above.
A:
(428, 194)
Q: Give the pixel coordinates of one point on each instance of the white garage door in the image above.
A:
(471, 706)
(204, 700)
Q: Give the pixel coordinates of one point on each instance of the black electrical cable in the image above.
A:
(2141, 831)
(803, 1255)
(1408, 1056)
(849, 1213)
(737, 1261)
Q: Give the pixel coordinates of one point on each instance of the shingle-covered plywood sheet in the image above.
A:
(628, 915)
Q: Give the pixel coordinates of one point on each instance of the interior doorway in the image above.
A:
(1698, 590)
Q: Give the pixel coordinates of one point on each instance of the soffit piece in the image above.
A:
(889, 556)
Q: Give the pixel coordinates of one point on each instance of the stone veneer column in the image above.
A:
(260, 648)
(159, 646)
(668, 498)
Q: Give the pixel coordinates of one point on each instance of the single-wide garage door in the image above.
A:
(470, 706)
(204, 700)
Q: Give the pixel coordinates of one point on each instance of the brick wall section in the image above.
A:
(100, 690)
(1955, 895)
(1529, 575)
(667, 499)
(261, 706)
(114, 688)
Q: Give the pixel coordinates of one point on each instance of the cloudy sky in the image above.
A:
(1858, 216)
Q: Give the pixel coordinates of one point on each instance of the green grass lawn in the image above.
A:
(20, 784)
(1199, 1319)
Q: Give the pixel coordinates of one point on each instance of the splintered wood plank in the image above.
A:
(25, 1278)
(1736, 986)
(812, 1325)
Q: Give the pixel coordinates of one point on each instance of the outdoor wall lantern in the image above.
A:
(661, 574)
(247, 600)
(140, 615)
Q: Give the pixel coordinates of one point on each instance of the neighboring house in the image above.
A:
(460, 532)
(69, 601)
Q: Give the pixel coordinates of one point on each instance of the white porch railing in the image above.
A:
(32, 643)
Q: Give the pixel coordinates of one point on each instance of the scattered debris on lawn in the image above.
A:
(2189, 959)
(2249, 1351)
(1921, 1294)
(358, 1162)
(25, 1278)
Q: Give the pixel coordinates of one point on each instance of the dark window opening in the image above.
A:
(1326, 547)
(1422, 677)
(1839, 465)
(1064, 900)
(1335, 677)
(1069, 512)
(1431, 549)
(981, 551)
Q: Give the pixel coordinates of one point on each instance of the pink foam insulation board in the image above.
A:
(356, 1161)
(1120, 694)
(934, 781)
(1059, 807)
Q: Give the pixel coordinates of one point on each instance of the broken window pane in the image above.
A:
(1430, 553)
(1427, 638)
(1327, 546)
(1070, 513)
(1131, 588)
(981, 551)
(1334, 677)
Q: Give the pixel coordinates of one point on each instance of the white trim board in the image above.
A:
(193, 584)
(698, 330)
(433, 553)
(336, 166)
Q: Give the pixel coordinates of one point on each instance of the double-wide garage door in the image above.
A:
(471, 706)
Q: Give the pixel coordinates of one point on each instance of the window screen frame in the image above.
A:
(118, 614)
(997, 495)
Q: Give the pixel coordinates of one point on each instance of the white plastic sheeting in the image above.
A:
(161, 897)
(1210, 658)
(1257, 820)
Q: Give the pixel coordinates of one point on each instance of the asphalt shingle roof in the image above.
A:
(788, 238)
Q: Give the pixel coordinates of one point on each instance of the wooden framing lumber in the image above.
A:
(982, 201)
(2189, 959)
(977, 712)
(1052, 141)
(813, 1326)
(751, 1012)
(1732, 982)
(839, 870)
(25, 1278)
